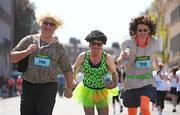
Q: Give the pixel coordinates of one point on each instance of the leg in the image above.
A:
(61, 90)
(47, 98)
(160, 102)
(113, 102)
(89, 110)
(121, 108)
(27, 99)
(103, 111)
(114, 108)
(174, 102)
(120, 104)
(145, 105)
(174, 98)
(132, 111)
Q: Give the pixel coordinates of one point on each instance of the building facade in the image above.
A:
(172, 24)
(6, 35)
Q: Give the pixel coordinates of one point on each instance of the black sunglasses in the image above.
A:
(144, 30)
(49, 23)
(96, 43)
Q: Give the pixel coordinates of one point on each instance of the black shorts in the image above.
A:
(131, 98)
(173, 91)
(160, 98)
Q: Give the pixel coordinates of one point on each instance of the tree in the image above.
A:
(24, 20)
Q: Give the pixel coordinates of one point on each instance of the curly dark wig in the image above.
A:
(96, 35)
(142, 20)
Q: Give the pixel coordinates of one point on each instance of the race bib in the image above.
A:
(42, 60)
(143, 62)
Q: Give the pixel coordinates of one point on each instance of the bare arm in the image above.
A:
(120, 59)
(155, 62)
(69, 84)
(124, 54)
(68, 77)
(112, 69)
(78, 64)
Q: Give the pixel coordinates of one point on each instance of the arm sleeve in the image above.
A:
(23, 44)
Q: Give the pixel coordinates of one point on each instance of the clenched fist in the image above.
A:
(32, 48)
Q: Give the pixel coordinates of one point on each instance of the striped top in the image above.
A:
(135, 66)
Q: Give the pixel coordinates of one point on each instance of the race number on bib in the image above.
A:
(143, 62)
(42, 60)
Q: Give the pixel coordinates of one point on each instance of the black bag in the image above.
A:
(22, 65)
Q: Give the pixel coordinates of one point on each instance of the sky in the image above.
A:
(80, 17)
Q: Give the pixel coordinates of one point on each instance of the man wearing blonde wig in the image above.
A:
(45, 55)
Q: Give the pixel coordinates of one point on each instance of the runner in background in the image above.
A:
(117, 91)
(174, 84)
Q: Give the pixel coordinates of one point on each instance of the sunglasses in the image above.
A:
(96, 43)
(144, 30)
(49, 23)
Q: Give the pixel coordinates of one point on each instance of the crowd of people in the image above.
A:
(166, 84)
(139, 82)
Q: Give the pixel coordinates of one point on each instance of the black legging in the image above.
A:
(38, 99)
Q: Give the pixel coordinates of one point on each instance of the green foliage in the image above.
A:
(24, 20)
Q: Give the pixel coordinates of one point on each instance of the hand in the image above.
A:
(68, 93)
(32, 48)
(74, 84)
(110, 85)
(126, 53)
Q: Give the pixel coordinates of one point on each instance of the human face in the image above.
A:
(96, 45)
(48, 26)
(49, 23)
(142, 30)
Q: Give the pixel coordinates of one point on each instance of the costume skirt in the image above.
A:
(131, 98)
(92, 97)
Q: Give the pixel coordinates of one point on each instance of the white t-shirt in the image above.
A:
(178, 85)
(161, 84)
(173, 81)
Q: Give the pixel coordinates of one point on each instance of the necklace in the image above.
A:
(41, 47)
(39, 42)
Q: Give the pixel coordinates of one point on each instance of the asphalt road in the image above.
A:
(64, 106)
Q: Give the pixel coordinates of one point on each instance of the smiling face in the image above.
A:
(142, 31)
